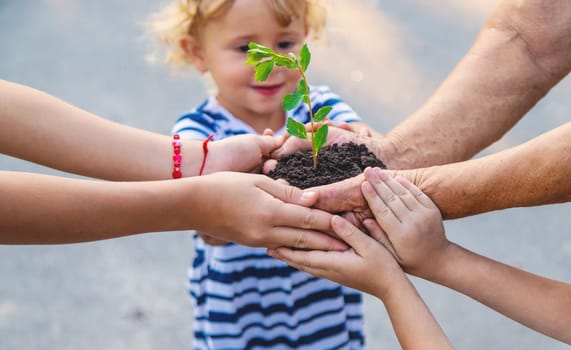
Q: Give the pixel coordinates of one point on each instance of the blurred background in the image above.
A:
(384, 57)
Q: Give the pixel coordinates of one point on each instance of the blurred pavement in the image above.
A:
(385, 58)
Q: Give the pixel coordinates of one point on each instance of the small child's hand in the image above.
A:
(243, 153)
(407, 218)
(367, 266)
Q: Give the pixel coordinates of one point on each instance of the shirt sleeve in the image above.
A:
(194, 126)
(341, 112)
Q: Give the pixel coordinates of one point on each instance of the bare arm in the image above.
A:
(43, 129)
(369, 267)
(523, 50)
(534, 173)
(42, 209)
(534, 301)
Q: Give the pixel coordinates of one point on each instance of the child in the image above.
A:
(410, 226)
(242, 298)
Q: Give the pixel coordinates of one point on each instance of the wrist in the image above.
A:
(391, 290)
(191, 153)
(442, 265)
(397, 289)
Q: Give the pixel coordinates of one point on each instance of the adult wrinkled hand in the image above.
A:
(254, 210)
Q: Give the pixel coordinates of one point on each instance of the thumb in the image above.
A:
(268, 143)
(354, 237)
(291, 194)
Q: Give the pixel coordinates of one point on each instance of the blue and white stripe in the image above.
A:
(244, 299)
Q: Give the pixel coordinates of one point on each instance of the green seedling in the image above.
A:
(264, 60)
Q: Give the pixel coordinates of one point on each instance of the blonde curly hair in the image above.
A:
(181, 18)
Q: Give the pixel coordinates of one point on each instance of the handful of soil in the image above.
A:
(334, 163)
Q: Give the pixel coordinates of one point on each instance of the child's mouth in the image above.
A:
(267, 90)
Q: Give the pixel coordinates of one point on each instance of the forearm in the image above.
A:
(414, 324)
(43, 129)
(39, 209)
(519, 55)
(535, 173)
(534, 301)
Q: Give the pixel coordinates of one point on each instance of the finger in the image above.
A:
(289, 194)
(416, 192)
(381, 211)
(408, 198)
(341, 196)
(388, 196)
(377, 175)
(351, 217)
(269, 166)
(268, 132)
(268, 144)
(291, 145)
(304, 239)
(312, 262)
(283, 181)
(380, 236)
(354, 237)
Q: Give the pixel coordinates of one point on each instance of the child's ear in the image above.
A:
(193, 51)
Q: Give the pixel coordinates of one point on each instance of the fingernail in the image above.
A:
(308, 195)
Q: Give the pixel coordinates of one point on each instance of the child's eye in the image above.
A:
(242, 48)
(285, 45)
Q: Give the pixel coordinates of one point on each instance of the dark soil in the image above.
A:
(334, 163)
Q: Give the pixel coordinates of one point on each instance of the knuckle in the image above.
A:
(392, 198)
(382, 212)
(308, 221)
(290, 191)
(301, 241)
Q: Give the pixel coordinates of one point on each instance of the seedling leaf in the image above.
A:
(291, 101)
(301, 87)
(284, 61)
(296, 128)
(319, 138)
(322, 113)
(255, 56)
(254, 46)
(304, 57)
(263, 70)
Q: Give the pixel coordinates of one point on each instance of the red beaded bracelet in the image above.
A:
(177, 157)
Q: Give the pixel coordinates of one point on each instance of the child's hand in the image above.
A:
(408, 218)
(368, 266)
(243, 153)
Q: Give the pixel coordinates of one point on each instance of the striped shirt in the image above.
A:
(244, 299)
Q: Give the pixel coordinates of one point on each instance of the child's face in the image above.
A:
(221, 50)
